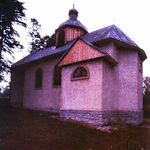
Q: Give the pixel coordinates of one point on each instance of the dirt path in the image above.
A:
(32, 130)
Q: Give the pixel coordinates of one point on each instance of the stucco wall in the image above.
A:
(82, 94)
(46, 98)
(128, 80)
(110, 87)
(111, 49)
(140, 86)
(122, 85)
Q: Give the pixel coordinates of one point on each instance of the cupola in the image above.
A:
(70, 29)
(73, 14)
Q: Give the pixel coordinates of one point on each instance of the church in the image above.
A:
(92, 77)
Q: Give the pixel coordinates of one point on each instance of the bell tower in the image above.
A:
(70, 29)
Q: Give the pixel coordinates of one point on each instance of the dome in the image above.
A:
(72, 21)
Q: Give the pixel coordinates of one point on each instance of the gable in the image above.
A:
(80, 51)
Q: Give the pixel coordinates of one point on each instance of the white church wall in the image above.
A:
(48, 97)
(82, 94)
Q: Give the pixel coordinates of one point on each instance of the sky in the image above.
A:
(131, 16)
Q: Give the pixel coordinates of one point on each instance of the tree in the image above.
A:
(11, 12)
(146, 96)
(34, 33)
(146, 86)
(6, 91)
(47, 41)
(37, 41)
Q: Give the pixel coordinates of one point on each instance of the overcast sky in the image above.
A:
(131, 16)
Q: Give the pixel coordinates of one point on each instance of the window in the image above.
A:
(61, 38)
(38, 78)
(57, 76)
(80, 73)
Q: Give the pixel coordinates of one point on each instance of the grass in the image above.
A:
(33, 130)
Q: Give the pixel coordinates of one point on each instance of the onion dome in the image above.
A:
(73, 22)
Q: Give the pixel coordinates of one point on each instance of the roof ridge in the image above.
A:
(108, 32)
(101, 28)
(127, 37)
(42, 54)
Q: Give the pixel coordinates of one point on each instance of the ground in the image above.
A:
(34, 130)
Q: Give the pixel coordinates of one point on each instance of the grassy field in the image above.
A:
(33, 130)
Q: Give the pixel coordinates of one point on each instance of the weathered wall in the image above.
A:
(46, 98)
(140, 85)
(128, 80)
(82, 94)
(80, 51)
(17, 87)
(72, 33)
(110, 87)
(111, 49)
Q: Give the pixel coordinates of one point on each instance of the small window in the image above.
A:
(57, 76)
(80, 73)
(38, 78)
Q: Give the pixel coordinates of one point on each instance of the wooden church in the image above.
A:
(91, 77)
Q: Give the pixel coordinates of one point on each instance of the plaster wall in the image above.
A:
(82, 94)
(110, 87)
(48, 97)
(111, 49)
(128, 80)
(140, 86)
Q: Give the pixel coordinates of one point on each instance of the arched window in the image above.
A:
(38, 78)
(61, 38)
(80, 73)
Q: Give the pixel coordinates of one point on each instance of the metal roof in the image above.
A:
(110, 32)
(72, 21)
(43, 53)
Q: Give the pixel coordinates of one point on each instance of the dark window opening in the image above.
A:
(38, 78)
(80, 73)
(61, 38)
(57, 76)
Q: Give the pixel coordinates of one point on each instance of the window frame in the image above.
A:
(38, 84)
(80, 77)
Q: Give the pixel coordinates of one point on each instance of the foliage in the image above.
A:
(1, 90)
(34, 33)
(11, 12)
(146, 86)
(6, 91)
(146, 92)
(47, 41)
(146, 96)
(37, 41)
